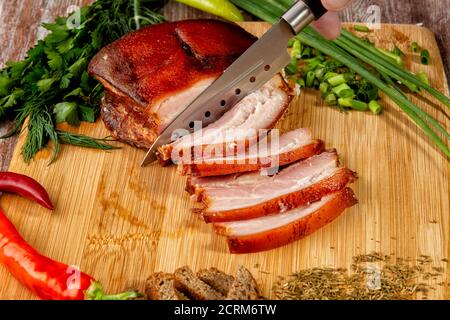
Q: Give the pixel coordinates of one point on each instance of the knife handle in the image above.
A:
(302, 13)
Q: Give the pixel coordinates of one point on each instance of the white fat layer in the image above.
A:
(169, 108)
(288, 142)
(256, 111)
(267, 223)
(291, 179)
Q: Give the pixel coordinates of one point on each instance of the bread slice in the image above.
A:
(244, 286)
(218, 280)
(187, 282)
(160, 286)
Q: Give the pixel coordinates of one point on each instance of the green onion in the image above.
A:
(337, 80)
(372, 56)
(361, 28)
(344, 91)
(330, 99)
(354, 104)
(375, 107)
(398, 52)
(422, 76)
(320, 72)
(296, 50)
(396, 58)
(310, 76)
(323, 88)
(312, 38)
(359, 105)
(415, 47)
(345, 102)
(329, 75)
(424, 57)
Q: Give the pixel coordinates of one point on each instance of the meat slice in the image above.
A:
(236, 128)
(266, 154)
(150, 75)
(252, 195)
(274, 231)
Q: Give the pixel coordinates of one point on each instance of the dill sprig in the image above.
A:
(51, 84)
(85, 142)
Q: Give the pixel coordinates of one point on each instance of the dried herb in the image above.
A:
(373, 276)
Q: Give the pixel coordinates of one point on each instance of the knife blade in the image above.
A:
(256, 66)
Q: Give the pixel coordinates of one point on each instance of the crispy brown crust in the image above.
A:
(294, 231)
(289, 201)
(147, 66)
(220, 169)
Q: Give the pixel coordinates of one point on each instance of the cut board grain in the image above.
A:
(120, 222)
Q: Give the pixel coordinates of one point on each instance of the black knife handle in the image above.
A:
(316, 7)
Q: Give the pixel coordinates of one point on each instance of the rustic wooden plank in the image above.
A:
(120, 222)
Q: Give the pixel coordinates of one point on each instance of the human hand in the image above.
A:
(330, 24)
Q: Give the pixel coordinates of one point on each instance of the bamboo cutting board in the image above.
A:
(120, 222)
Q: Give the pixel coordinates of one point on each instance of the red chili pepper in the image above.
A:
(25, 187)
(48, 279)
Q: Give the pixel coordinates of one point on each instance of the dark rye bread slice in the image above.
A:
(160, 286)
(244, 286)
(188, 283)
(218, 280)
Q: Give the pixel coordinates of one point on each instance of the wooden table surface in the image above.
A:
(21, 19)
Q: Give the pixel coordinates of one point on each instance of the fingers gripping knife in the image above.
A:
(265, 58)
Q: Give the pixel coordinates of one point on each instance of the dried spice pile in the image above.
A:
(372, 277)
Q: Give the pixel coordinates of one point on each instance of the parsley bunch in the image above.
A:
(51, 85)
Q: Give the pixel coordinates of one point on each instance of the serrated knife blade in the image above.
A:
(256, 66)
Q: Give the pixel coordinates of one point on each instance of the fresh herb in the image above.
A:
(51, 84)
(361, 28)
(84, 141)
(373, 276)
(363, 61)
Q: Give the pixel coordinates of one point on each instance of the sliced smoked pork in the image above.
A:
(237, 127)
(150, 75)
(274, 231)
(252, 195)
(269, 153)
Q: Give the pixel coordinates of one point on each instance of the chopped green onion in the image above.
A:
(323, 88)
(329, 75)
(415, 47)
(354, 104)
(361, 28)
(345, 102)
(396, 58)
(422, 76)
(375, 107)
(330, 99)
(320, 72)
(424, 57)
(398, 52)
(337, 80)
(296, 51)
(313, 38)
(344, 91)
(359, 105)
(307, 52)
(310, 76)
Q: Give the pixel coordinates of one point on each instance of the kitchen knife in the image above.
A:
(256, 66)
